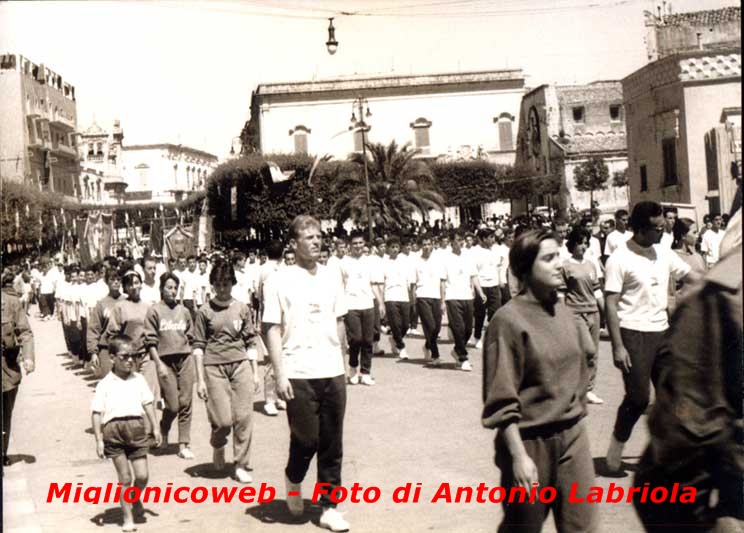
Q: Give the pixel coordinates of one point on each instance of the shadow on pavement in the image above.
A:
(207, 471)
(170, 449)
(114, 515)
(21, 458)
(600, 468)
(276, 512)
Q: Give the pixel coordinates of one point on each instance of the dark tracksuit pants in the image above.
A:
(482, 310)
(460, 316)
(177, 389)
(563, 457)
(316, 425)
(398, 316)
(642, 347)
(378, 322)
(360, 325)
(430, 312)
(9, 398)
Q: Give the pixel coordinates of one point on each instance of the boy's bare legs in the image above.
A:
(139, 466)
(121, 463)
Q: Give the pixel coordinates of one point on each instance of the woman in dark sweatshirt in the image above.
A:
(535, 384)
(168, 338)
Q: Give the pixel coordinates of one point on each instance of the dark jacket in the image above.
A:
(12, 310)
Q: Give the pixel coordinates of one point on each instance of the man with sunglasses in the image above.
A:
(637, 278)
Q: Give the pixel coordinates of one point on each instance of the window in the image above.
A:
(578, 114)
(669, 158)
(506, 134)
(644, 179)
(420, 128)
(90, 149)
(615, 113)
(300, 143)
(99, 148)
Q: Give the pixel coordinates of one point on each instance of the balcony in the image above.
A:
(63, 149)
(62, 122)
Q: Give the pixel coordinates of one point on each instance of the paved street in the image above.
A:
(417, 425)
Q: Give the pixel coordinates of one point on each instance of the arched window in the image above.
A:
(300, 134)
(420, 128)
(505, 123)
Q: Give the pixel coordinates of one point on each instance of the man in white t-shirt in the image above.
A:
(303, 313)
(430, 276)
(150, 291)
(488, 265)
(711, 241)
(361, 289)
(637, 279)
(620, 234)
(670, 217)
(461, 284)
(274, 251)
(397, 277)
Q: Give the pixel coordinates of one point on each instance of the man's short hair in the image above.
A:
(670, 209)
(620, 213)
(392, 240)
(642, 213)
(356, 234)
(484, 233)
(301, 222)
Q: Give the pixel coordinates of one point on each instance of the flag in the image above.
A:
(277, 174)
(17, 223)
(331, 146)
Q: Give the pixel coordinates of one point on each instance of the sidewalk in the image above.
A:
(416, 425)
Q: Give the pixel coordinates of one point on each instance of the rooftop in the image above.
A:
(599, 91)
(597, 143)
(708, 17)
(169, 146)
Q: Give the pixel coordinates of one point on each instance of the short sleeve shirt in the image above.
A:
(357, 277)
(118, 398)
(306, 306)
(398, 277)
(429, 275)
(459, 270)
(641, 277)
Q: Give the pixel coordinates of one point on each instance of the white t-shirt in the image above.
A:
(118, 398)
(487, 264)
(711, 245)
(429, 275)
(49, 281)
(398, 276)
(201, 281)
(503, 251)
(190, 283)
(307, 307)
(357, 278)
(241, 290)
(148, 294)
(667, 239)
(641, 277)
(459, 270)
(615, 239)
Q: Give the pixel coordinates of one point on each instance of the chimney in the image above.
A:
(663, 11)
(658, 10)
(699, 40)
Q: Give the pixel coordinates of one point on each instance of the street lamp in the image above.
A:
(232, 146)
(332, 43)
(361, 106)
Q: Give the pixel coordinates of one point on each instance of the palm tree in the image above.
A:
(399, 185)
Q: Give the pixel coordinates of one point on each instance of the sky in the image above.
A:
(183, 72)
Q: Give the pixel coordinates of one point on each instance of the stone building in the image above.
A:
(38, 119)
(562, 126)
(163, 173)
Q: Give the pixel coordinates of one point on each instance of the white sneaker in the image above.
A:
(403, 354)
(270, 409)
(332, 519)
(376, 350)
(614, 459)
(218, 458)
(294, 497)
(242, 475)
(354, 379)
(393, 348)
(427, 354)
(186, 453)
(593, 398)
(367, 380)
(435, 362)
(384, 329)
(479, 344)
(281, 405)
(466, 366)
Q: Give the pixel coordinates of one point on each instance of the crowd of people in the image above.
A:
(316, 308)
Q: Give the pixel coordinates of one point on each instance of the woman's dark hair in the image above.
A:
(577, 236)
(681, 228)
(165, 277)
(222, 269)
(524, 250)
(112, 273)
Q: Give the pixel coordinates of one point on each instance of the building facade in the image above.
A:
(38, 120)
(164, 173)
(561, 127)
(677, 109)
(465, 115)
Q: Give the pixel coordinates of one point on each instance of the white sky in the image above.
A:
(184, 71)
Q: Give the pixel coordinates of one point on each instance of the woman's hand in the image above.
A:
(201, 390)
(162, 370)
(99, 448)
(525, 471)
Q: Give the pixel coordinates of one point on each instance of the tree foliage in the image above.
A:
(470, 183)
(590, 176)
(620, 178)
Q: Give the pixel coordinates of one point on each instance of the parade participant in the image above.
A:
(398, 278)
(169, 334)
(488, 266)
(17, 351)
(409, 250)
(685, 237)
(69, 307)
(696, 421)
(376, 260)
(536, 400)
(202, 288)
(128, 318)
(502, 250)
(620, 234)
(581, 280)
(303, 335)
(325, 254)
(243, 287)
(711, 241)
(274, 255)
(637, 281)
(461, 284)
(561, 229)
(360, 290)
(289, 258)
(121, 400)
(47, 287)
(89, 297)
(150, 292)
(227, 375)
(670, 216)
(97, 344)
(430, 291)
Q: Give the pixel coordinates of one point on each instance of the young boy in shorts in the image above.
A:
(121, 400)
